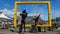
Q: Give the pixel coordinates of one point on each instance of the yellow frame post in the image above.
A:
(49, 13)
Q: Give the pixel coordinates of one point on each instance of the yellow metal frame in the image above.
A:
(49, 13)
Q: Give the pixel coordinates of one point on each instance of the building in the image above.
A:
(5, 20)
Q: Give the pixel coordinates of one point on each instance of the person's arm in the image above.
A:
(38, 16)
(20, 14)
(34, 19)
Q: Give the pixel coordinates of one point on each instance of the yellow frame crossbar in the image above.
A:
(49, 13)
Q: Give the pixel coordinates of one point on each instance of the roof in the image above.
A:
(3, 16)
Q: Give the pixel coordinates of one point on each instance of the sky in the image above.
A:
(7, 6)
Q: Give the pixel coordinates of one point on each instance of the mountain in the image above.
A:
(30, 20)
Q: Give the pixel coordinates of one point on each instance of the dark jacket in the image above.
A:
(24, 15)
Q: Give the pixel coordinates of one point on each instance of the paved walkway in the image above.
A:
(6, 31)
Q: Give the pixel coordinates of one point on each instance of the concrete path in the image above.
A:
(6, 31)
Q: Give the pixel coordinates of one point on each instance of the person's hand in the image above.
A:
(20, 14)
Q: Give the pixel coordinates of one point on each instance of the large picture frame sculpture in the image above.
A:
(49, 12)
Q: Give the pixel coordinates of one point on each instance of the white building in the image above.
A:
(4, 19)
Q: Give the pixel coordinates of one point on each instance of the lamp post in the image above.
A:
(53, 15)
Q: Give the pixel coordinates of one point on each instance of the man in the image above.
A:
(24, 16)
(36, 20)
(56, 27)
(34, 28)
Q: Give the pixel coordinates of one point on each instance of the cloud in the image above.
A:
(55, 13)
(9, 12)
(7, 5)
(35, 14)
